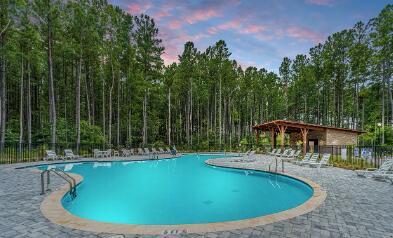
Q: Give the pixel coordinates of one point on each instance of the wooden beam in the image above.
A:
(257, 136)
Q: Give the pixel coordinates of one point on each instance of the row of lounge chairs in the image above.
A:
(287, 154)
(311, 160)
(129, 152)
(68, 154)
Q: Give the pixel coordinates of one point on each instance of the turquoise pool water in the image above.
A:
(178, 191)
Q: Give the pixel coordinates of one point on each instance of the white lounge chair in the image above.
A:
(313, 159)
(289, 154)
(250, 157)
(51, 155)
(162, 151)
(284, 153)
(306, 158)
(323, 162)
(384, 169)
(273, 152)
(69, 154)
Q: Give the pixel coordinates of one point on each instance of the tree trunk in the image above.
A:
(391, 103)
(118, 113)
(29, 103)
(21, 106)
(110, 106)
(169, 117)
(87, 89)
(52, 103)
(78, 104)
(383, 108)
(103, 106)
(144, 131)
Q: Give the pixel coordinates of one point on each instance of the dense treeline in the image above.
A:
(87, 72)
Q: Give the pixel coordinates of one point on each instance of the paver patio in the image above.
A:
(354, 207)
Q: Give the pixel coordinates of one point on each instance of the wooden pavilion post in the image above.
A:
(256, 136)
(282, 130)
(272, 138)
(304, 132)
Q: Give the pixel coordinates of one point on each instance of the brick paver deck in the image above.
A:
(354, 207)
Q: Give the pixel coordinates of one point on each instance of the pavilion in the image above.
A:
(309, 134)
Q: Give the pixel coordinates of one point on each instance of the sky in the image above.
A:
(259, 33)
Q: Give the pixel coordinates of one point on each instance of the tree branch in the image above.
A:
(5, 28)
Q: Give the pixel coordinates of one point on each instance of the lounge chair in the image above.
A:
(250, 157)
(323, 162)
(289, 154)
(306, 158)
(273, 152)
(312, 159)
(162, 151)
(285, 152)
(384, 169)
(51, 155)
(69, 154)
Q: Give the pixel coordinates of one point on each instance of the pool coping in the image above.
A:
(52, 209)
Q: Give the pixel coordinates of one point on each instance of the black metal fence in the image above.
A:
(345, 156)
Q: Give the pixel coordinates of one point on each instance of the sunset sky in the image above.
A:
(258, 33)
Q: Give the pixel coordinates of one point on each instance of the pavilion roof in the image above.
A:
(294, 126)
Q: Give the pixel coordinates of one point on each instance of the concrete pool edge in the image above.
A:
(52, 209)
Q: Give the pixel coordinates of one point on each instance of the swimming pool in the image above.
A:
(179, 191)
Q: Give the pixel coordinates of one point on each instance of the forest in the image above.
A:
(88, 72)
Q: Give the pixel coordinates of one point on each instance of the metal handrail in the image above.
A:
(68, 178)
(276, 167)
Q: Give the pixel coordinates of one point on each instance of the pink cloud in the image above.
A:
(174, 24)
(161, 14)
(136, 8)
(253, 29)
(304, 34)
(320, 2)
(233, 24)
(202, 15)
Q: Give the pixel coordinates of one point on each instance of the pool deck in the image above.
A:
(354, 207)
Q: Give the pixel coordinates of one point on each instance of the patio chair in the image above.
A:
(162, 151)
(385, 168)
(146, 151)
(313, 159)
(323, 162)
(132, 152)
(115, 153)
(154, 151)
(140, 151)
(125, 153)
(107, 153)
(69, 154)
(51, 155)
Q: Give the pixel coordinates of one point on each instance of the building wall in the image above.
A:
(317, 135)
(336, 137)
